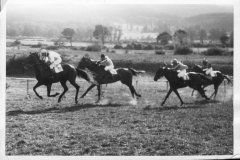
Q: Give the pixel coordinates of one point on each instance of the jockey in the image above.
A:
(207, 67)
(52, 57)
(107, 62)
(180, 68)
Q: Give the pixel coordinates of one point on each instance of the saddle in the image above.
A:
(57, 69)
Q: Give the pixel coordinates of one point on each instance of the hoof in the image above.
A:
(97, 101)
(57, 93)
(82, 97)
(139, 95)
(162, 104)
(181, 104)
(76, 102)
(41, 97)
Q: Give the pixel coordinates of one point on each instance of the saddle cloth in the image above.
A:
(58, 68)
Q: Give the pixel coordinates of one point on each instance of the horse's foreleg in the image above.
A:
(34, 89)
(176, 92)
(99, 93)
(169, 92)
(193, 92)
(49, 91)
(89, 88)
(63, 83)
(77, 90)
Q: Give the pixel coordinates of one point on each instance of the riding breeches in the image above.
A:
(110, 69)
(183, 74)
(208, 70)
(56, 62)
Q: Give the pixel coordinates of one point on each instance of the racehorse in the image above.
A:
(69, 73)
(103, 77)
(195, 81)
(216, 81)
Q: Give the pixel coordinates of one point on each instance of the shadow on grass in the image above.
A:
(165, 108)
(194, 105)
(60, 110)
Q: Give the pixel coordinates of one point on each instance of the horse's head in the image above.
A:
(86, 62)
(83, 63)
(33, 58)
(197, 68)
(160, 73)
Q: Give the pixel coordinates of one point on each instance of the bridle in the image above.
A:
(26, 65)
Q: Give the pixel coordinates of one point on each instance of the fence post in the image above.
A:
(167, 85)
(27, 86)
(224, 82)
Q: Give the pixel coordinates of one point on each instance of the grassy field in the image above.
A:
(118, 125)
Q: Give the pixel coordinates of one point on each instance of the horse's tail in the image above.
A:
(228, 79)
(87, 75)
(135, 72)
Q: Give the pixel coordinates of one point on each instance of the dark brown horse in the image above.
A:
(216, 81)
(69, 73)
(103, 77)
(195, 81)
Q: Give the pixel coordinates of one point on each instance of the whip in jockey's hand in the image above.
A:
(51, 58)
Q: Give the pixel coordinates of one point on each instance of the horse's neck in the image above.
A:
(92, 66)
(169, 75)
(39, 67)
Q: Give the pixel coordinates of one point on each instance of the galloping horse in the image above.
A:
(216, 81)
(102, 77)
(195, 81)
(69, 73)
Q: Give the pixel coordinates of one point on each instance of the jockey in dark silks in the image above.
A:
(207, 67)
(180, 68)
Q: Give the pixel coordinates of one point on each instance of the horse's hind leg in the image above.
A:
(215, 91)
(49, 91)
(77, 90)
(133, 91)
(35, 87)
(63, 83)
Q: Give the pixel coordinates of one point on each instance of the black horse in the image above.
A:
(195, 81)
(102, 77)
(69, 73)
(216, 81)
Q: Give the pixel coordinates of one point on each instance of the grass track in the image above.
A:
(119, 125)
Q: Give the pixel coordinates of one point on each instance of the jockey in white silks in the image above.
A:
(50, 56)
(180, 68)
(207, 67)
(107, 62)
